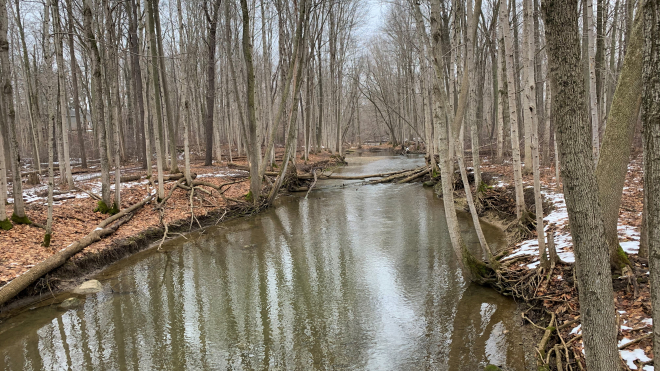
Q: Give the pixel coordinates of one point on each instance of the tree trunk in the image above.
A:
(64, 106)
(171, 118)
(574, 141)
(593, 100)
(35, 115)
(651, 122)
(144, 153)
(156, 103)
(97, 101)
(617, 142)
(212, 20)
(513, 116)
(4, 46)
(254, 150)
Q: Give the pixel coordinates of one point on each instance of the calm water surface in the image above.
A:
(352, 278)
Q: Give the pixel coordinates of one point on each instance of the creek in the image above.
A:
(354, 277)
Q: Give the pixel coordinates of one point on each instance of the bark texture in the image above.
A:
(617, 142)
(651, 121)
(578, 174)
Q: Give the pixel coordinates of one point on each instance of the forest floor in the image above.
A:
(557, 292)
(74, 216)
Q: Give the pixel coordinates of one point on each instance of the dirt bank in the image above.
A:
(74, 218)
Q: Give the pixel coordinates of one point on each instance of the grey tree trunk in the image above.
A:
(254, 150)
(617, 142)
(569, 113)
(513, 116)
(651, 122)
(74, 84)
(4, 46)
(156, 103)
(64, 106)
(97, 101)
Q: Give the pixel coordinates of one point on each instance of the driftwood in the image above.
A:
(105, 228)
(414, 176)
(394, 177)
(352, 177)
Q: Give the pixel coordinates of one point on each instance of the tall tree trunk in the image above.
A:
(254, 150)
(74, 83)
(64, 106)
(97, 102)
(513, 116)
(212, 19)
(169, 114)
(651, 122)
(144, 153)
(597, 314)
(4, 46)
(9, 118)
(35, 115)
(156, 102)
(617, 142)
(593, 100)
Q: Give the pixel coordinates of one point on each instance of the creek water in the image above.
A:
(353, 277)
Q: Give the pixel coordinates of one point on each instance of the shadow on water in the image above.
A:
(359, 278)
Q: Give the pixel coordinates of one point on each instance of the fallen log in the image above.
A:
(105, 228)
(394, 177)
(355, 177)
(414, 176)
(176, 176)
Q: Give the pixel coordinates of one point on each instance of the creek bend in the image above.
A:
(353, 277)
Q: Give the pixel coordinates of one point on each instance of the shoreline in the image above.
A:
(142, 232)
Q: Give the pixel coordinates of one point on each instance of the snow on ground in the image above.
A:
(629, 237)
(228, 173)
(563, 241)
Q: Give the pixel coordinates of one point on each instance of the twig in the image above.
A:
(624, 346)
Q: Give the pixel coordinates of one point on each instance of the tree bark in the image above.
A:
(617, 142)
(574, 141)
(97, 101)
(651, 122)
(254, 150)
(64, 106)
(513, 116)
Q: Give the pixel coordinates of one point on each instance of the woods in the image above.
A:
(562, 87)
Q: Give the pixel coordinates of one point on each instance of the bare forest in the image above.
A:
(109, 106)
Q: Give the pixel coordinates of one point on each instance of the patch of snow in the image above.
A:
(648, 321)
(559, 277)
(630, 356)
(533, 265)
(625, 328)
(630, 247)
(576, 330)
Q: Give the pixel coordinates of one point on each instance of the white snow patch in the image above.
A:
(632, 355)
(648, 321)
(576, 330)
(630, 247)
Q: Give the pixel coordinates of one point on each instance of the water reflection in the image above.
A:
(360, 278)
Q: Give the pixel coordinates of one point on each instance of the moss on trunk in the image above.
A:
(20, 219)
(6, 225)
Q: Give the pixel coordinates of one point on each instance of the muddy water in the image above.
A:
(354, 277)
